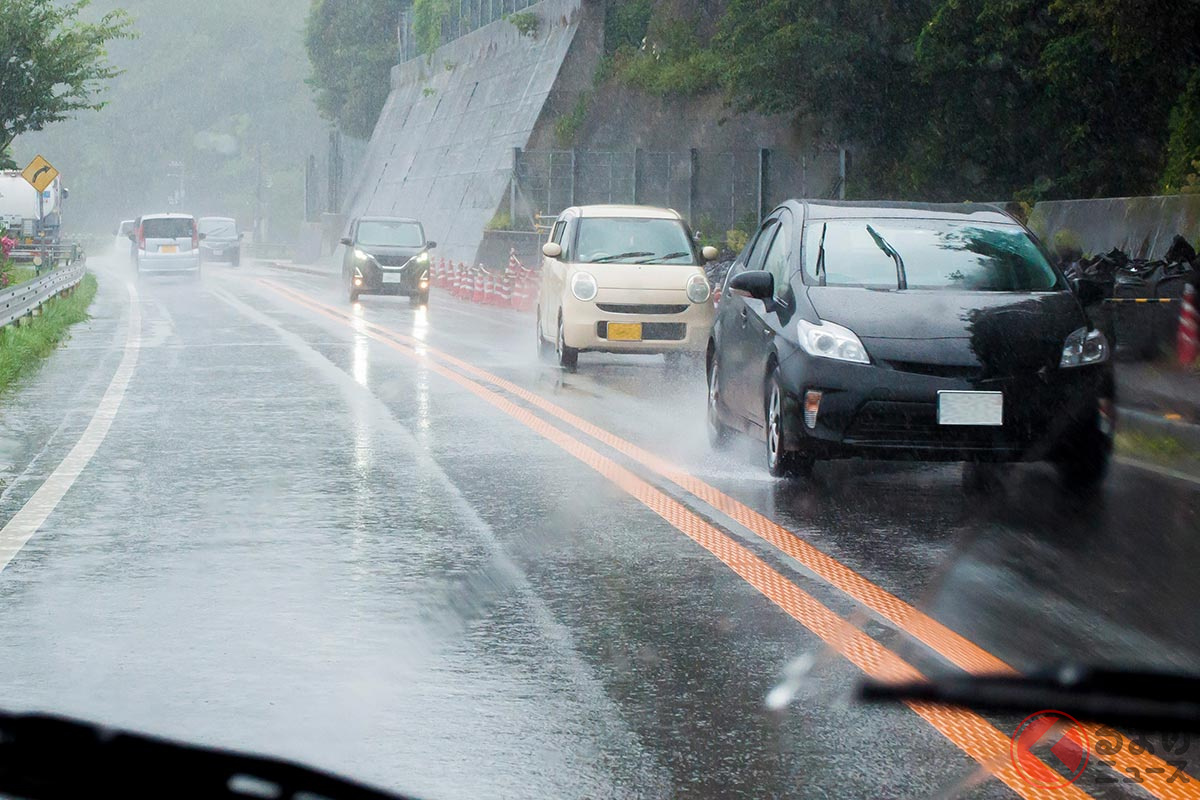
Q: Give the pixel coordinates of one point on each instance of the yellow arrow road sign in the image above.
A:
(39, 173)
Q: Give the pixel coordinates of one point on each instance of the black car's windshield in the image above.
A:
(218, 227)
(927, 254)
(633, 240)
(386, 233)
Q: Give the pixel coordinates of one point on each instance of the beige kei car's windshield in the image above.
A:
(633, 241)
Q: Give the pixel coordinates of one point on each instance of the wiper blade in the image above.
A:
(46, 757)
(882, 244)
(668, 256)
(1143, 699)
(634, 254)
(821, 255)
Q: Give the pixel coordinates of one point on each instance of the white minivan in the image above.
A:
(167, 243)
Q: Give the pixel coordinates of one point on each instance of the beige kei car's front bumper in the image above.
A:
(670, 322)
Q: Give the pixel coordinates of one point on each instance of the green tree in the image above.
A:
(52, 64)
(352, 47)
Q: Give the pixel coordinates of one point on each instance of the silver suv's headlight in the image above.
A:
(583, 286)
(698, 290)
(830, 340)
(1084, 347)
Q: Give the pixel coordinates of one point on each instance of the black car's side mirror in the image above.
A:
(202, 236)
(346, 240)
(430, 245)
(1089, 291)
(756, 283)
(241, 236)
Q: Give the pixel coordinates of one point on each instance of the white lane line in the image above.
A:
(26, 522)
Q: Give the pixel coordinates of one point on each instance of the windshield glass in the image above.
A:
(933, 254)
(218, 227)
(168, 227)
(383, 233)
(633, 241)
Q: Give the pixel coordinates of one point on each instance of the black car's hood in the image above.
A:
(1000, 331)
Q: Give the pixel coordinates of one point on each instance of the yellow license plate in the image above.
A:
(168, 248)
(624, 331)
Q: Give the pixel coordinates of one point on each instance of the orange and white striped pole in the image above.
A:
(1189, 328)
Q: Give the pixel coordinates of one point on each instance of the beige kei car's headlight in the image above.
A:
(583, 286)
(698, 290)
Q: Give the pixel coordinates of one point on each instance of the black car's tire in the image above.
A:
(545, 351)
(418, 300)
(353, 295)
(781, 463)
(719, 433)
(1084, 456)
(568, 357)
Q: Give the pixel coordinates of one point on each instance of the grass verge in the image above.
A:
(22, 349)
(1158, 449)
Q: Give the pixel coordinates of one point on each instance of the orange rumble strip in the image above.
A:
(972, 734)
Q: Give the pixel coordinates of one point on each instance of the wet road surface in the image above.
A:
(389, 542)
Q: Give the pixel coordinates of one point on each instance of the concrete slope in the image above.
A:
(442, 150)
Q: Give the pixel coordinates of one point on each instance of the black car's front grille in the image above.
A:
(624, 308)
(892, 423)
(652, 331)
(392, 261)
(937, 370)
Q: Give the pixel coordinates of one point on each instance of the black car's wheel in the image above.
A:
(718, 432)
(568, 357)
(353, 294)
(1084, 456)
(544, 349)
(780, 461)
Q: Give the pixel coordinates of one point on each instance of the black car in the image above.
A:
(387, 255)
(222, 241)
(908, 331)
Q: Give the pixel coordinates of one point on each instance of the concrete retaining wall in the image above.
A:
(443, 148)
(1141, 226)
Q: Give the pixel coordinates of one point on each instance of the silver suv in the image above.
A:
(167, 243)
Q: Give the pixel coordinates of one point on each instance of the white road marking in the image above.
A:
(26, 522)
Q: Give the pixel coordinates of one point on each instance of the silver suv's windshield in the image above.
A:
(633, 240)
(386, 233)
(218, 227)
(925, 254)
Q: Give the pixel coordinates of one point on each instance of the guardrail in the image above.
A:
(24, 299)
(47, 256)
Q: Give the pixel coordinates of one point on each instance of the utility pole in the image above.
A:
(258, 198)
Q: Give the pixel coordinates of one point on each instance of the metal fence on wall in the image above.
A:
(464, 16)
(716, 191)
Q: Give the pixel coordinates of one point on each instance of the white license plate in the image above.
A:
(970, 408)
(393, 277)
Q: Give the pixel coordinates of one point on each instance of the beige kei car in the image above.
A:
(622, 279)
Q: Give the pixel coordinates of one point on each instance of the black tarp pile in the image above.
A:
(1140, 329)
(1126, 277)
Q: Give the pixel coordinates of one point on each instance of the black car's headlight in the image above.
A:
(1084, 347)
(830, 340)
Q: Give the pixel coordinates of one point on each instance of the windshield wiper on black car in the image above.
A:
(634, 254)
(47, 758)
(821, 255)
(901, 275)
(667, 257)
(1151, 701)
